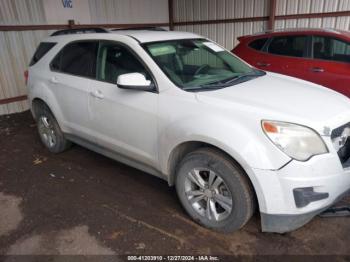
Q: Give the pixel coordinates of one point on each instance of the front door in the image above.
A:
(124, 121)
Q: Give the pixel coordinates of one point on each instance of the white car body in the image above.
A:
(148, 129)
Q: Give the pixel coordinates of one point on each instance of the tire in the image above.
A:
(221, 184)
(50, 133)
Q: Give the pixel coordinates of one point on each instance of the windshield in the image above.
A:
(196, 64)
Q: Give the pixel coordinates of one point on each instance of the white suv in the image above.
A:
(176, 105)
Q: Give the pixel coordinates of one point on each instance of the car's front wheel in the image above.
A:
(214, 190)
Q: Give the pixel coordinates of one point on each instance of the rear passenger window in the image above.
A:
(258, 44)
(328, 48)
(78, 58)
(42, 49)
(289, 46)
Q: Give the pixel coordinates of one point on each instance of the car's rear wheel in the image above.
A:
(50, 133)
(214, 190)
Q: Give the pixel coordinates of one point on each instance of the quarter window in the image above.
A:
(258, 44)
(115, 60)
(78, 58)
(289, 46)
(328, 48)
(42, 50)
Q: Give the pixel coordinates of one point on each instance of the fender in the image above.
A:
(249, 147)
(41, 91)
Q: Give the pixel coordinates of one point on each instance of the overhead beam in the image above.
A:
(265, 18)
(69, 26)
(272, 15)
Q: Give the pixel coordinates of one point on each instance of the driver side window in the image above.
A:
(114, 60)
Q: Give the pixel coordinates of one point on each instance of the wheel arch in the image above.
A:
(36, 104)
(181, 150)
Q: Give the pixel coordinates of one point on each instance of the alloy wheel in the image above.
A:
(208, 194)
(47, 132)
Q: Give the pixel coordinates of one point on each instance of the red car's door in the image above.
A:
(330, 65)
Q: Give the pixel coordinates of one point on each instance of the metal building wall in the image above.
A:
(289, 7)
(225, 34)
(128, 11)
(17, 47)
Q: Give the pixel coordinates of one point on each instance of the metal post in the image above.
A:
(171, 14)
(272, 15)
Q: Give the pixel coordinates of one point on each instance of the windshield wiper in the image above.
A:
(204, 87)
(227, 82)
(240, 78)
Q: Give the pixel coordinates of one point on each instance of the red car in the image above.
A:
(321, 56)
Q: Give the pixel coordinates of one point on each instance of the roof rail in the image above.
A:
(281, 30)
(86, 30)
(150, 28)
(306, 28)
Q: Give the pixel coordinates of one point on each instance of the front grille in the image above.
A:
(339, 130)
(341, 142)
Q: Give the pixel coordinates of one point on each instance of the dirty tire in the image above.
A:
(233, 178)
(60, 143)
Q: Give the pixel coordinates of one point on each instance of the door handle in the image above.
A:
(54, 80)
(262, 64)
(317, 70)
(97, 93)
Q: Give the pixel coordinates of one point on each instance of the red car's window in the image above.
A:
(258, 44)
(289, 46)
(328, 48)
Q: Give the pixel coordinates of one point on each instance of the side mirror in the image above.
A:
(135, 81)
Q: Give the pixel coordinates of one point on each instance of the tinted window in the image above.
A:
(42, 49)
(289, 46)
(328, 48)
(258, 44)
(78, 58)
(115, 60)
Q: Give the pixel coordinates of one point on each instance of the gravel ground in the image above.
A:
(80, 202)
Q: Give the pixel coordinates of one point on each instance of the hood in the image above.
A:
(283, 98)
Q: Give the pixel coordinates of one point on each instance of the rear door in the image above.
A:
(70, 80)
(330, 65)
(286, 55)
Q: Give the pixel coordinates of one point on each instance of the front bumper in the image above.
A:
(280, 209)
(286, 223)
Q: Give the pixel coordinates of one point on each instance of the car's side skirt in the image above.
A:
(114, 155)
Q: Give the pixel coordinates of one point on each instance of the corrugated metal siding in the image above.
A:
(224, 34)
(289, 7)
(16, 48)
(195, 10)
(128, 11)
(22, 12)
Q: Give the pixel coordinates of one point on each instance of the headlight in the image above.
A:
(298, 142)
